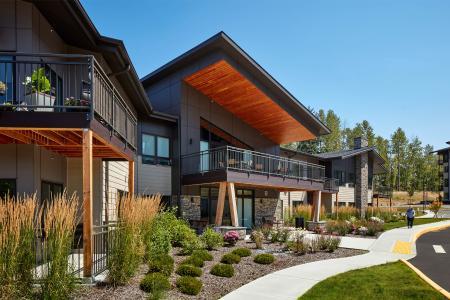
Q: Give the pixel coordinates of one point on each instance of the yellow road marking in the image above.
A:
(402, 247)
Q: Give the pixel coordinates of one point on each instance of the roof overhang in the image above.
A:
(241, 71)
(227, 87)
(73, 25)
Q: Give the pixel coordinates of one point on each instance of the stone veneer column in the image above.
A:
(362, 183)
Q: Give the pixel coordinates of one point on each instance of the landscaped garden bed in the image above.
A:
(215, 287)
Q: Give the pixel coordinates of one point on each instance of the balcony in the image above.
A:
(253, 169)
(62, 91)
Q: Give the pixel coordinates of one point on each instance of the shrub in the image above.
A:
(373, 228)
(266, 230)
(189, 270)
(283, 235)
(193, 260)
(328, 243)
(154, 282)
(257, 237)
(159, 242)
(313, 245)
(435, 206)
(191, 243)
(189, 285)
(230, 258)
(274, 236)
(264, 259)
(242, 252)
(161, 264)
(231, 237)
(297, 246)
(222, 270)
(202, 254)
(340, 227)
(181, 232)
(211, 239)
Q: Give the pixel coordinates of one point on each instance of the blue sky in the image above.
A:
(384, 61)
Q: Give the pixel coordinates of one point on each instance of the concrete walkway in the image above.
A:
(293, 282)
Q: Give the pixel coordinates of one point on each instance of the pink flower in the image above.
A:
(231, 237)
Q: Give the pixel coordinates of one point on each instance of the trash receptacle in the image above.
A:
(300, 222)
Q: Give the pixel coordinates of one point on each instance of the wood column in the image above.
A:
(317, 199)
(131, 177)
(233, 204)
(220, 203)
(337, 204)
(87, 202)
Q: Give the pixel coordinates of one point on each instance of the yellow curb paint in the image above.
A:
(402, 247)
(430, 229)
(433, 284)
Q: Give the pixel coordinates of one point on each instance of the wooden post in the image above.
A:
(233, 204)
(337, 205)
(317, 195)
(220, 203)
(131, 177)
(87, 202)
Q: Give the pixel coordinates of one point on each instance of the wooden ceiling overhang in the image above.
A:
(227, 87)
(67, 142)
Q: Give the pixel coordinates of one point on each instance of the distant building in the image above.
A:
(443, 161)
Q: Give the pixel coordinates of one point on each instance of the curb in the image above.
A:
(430, 229)
(433, 284)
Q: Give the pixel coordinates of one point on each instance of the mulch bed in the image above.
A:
(215, 287)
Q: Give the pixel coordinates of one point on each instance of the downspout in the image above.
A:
(179, 167)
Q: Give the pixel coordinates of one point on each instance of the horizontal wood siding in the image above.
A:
(115, 181)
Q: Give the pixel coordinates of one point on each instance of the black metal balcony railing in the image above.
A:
(331, 184)
(64, 83)
(241, 160)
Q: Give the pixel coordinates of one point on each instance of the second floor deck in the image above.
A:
(62, 91)
(253, 169)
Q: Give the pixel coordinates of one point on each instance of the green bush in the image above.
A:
(257, 237)
(222, 270)
(328, 243)
(242, 252)
(340, 227)
(230, 259)
(189, 285)
(297, 245)
(155, 282)
(202, 254)
(193, 260)
(181, 232)
(161, 264)
(211, 239)
(190, 243)
(189, 270)
(264, 259)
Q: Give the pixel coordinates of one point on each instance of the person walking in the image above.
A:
(410, 214)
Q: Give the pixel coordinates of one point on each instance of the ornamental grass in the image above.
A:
(18, 218)
(128, 244)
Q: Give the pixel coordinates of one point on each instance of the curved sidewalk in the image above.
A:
(293, 282)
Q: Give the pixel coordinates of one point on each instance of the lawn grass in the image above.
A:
(402, 223)
(388, 281)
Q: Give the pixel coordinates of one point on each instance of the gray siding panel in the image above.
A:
(152, 179)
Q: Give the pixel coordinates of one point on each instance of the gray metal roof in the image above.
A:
(344, 153)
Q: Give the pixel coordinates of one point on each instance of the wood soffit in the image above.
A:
(226, 86)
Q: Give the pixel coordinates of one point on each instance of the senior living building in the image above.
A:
(204, 130)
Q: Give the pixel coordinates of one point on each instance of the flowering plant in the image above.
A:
(231, 237)
(362, 230)
(376, 220)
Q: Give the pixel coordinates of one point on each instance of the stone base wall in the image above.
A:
(270, 208)
(190, 207)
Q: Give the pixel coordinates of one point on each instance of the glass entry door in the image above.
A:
(245, 205)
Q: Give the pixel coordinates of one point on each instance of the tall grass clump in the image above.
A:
(128, 243)
(306, 211)
(18, 219)
(60, 221)
(346, 213)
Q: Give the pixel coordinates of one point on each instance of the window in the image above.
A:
(155, 150)
(6, 79)
(50, 190)
(7, 188)
(340, 175)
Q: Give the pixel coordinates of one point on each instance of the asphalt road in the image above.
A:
(433, 257)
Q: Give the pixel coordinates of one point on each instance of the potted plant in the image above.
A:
(37, 90)
(2, 88)
(71, 101)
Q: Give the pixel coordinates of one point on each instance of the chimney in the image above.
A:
(360, 142)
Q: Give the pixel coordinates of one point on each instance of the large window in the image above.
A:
(155, 149)
(340, 175)
(49, 190)
(7, 188)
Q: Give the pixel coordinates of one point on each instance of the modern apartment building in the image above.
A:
(444, 160)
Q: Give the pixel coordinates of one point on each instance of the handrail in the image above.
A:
(248, 161)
